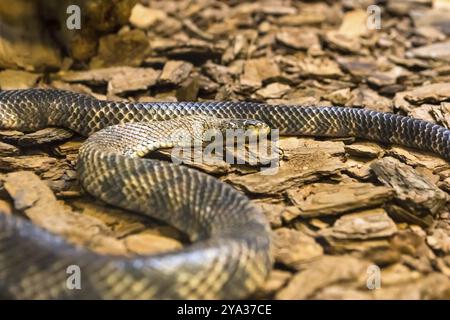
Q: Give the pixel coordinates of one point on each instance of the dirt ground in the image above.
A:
(351, 218)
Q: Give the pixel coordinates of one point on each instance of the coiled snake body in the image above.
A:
(230, 255)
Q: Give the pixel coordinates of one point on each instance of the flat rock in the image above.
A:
(295, 172)
(133, 45)
(439, 51)
(8, 150)
(439, 240)
(293, 146)
(258, 70)
(311, 14)
(175, 72)
(37, 163)
(418, 158)
(435, 17)
(16, 79)
(432, 93)
(319, 67)
(298, 40)
(414, 192)
(32, 196)
(366, 98)
(292, 248)
(369, 224)
(276, 280)
(277, 213)
(132, 79)
(322, 273)
(342, 42)
(331, 199)
(364, 149)
(47, 135)
(143, 17)
(273, 91)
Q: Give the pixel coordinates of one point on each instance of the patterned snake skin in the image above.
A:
(230, 255)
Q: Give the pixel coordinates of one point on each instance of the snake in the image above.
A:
(230, 250)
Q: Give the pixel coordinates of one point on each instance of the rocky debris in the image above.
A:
(37, 201)
(322, 273)
(19, 20)
(8, 150)
(303, 40)
(362, 225)
(44, 136)
(334, 217)
(364, 149)
(175, 72)
(330, 199)
(414, 192)
(137, 79)
(297, 171)
(417, 158)
(133, 46)
(276, 280)
(440, 240)
(37, 163)
(433, 93)
(434, 51)
(143, 17)
(293, 248)
(16, 79)
(255, 71)
(272, 91)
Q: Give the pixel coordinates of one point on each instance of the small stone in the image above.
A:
(339, 97)
(414, 192)
(321, 67)
(132, 79)
(298, 40)
(438, 51)
(432, 93)
(6, 207)
(293, 248)
(276, 280)
(297, 171)
(143, 17)
(258, 70)
(440, 240)
(175, 72)
(364, 149)
(16, 79)
(133, 46)
(362, 225)
(331, 199)
(273, 90)
(322, 273)
(8, 150)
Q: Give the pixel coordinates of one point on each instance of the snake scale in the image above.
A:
(230, 252)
